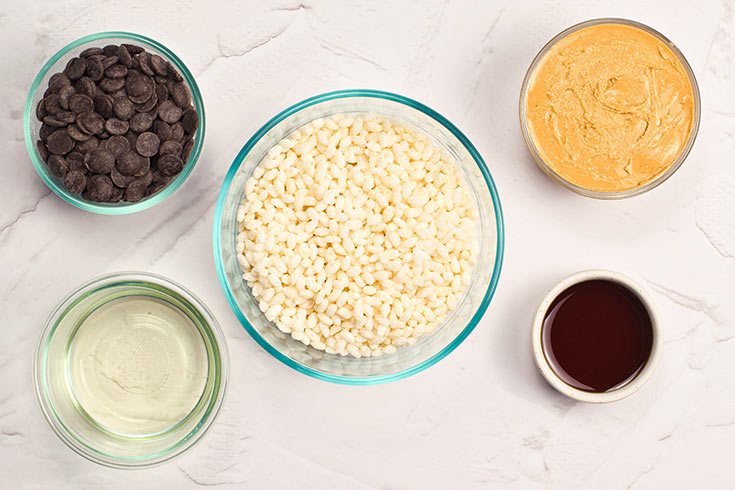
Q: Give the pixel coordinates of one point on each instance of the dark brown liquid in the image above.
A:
(597, 335)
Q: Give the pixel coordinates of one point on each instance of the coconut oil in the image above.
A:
(137, 366)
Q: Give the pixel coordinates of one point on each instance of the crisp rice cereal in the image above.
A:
(356, 235)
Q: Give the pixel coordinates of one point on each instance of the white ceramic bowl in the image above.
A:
(588, 396)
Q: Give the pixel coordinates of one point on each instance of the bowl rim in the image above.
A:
(542, 362)
(614, 195)
(499, 248)
(186, 442)
(122, 207)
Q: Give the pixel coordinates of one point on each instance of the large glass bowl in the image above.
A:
(57, 63)
(53, 374)
(429, 349)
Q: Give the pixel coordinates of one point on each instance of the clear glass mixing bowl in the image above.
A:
(429, 349)
(55, 388)
(31, 124)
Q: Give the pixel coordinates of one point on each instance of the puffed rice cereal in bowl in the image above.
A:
(362, 223)
(356, 235)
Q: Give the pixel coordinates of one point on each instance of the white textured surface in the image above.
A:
(482, 418)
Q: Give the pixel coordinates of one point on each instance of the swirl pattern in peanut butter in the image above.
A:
(610, 107)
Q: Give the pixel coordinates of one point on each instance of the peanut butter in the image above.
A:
(610, 107)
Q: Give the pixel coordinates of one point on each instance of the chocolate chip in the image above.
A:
(173, 73)
(76, 133)
(132, 137)
(159, 65)
(124, 55)
(53, 122)
(40, 110)
(75, 68)
(146, 85)
(188, 147)
(58, 81)
(103, 105)
(99, 187)
(162, 130)
(153, 188)
(110, 85)
(135, 85)
(147, 144)
(58, 166)
(51, 104)
(99, 161)
(170, 148)
(147, 177)
(157, 177)
(119, 93)
(65, 95)
(60, 120)
(133, 49)
(145, 167)
(117, 145)
(66, 117)
(42, 150)
(129, 163)
(170, 165)
(181, 96)
(190, 121)
(80, 103)
(86, 86)
(144, 63)
(109, 50)
(135, 191)
(153, 113)
(161, 92)
(91, 122)
(116, 71)
(124, 109)
(116, 195)
(121, 180)
(94, 68)
(140, 122)
(116, 126)
(75, 161)
(91, 52)
(177, 132)
(149, 105)
(45, 131)
(75, 181)
(169, 112)
(59, 142)
(90, 145)
(109, 61)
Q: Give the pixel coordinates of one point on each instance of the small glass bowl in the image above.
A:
(53, 379)
(57, 63)
(429, 349)
(548, 170)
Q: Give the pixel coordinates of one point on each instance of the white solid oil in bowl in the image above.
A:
(137, 366)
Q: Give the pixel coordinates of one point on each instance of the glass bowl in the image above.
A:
(429, 349)
(57, 63)
(56, 373)
(549, 171)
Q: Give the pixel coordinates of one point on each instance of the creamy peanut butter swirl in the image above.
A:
(610, 107)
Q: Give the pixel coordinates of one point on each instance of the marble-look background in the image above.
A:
(483, 418)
